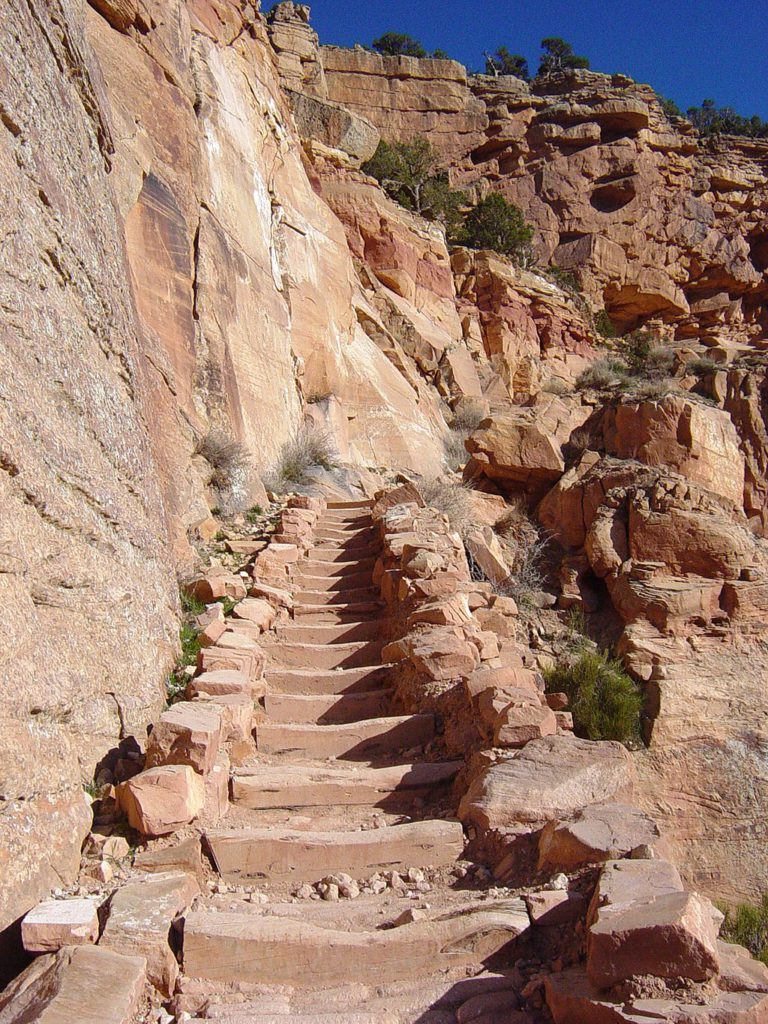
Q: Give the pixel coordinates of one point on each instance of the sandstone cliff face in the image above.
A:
(656, 223)
(88, 592)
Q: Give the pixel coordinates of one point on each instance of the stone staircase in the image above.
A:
(344, 791)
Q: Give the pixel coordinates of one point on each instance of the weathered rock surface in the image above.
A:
(56, 923)
(141, 913)
(669, 936)
(160, 800)
(83, 983)
(596, 833)
(548, 778)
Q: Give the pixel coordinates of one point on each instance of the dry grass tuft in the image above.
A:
(309, 449)
(451, 498)
(228, 459)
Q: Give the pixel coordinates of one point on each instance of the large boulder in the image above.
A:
(550, 778)
(670, 936)
(695, 440)
(86, 984)
(161, 800)
(596, 833)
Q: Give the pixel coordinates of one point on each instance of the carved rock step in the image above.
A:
(370, 740)
(238, 948)
(331, 709)
(267, 786)
(283, 1017)
(313, 681)
(410, 1000)
(360, 518)
(335, 553)
(351, 581)
(330, 633)
(305, 614)
(284, 854)
(349, 596)
(344, 537)
(315, 567)
(320, 656)
(361, 503)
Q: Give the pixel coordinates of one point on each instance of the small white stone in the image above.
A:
(559, 882)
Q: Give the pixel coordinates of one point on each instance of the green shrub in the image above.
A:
(502, 62)
(669, 106)
(409, 173)
(191, 605)
(190, 644)
(747, 925)
(559, 56)
(702, 366)
(253, 514)
(395, 44)
(494, 223)
(604, 325)
(604, 700)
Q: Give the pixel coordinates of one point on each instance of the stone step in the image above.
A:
(312, 681)
(292, 786)
(340, 613)
(369, 740)
(349, 517)
(342, 537)
(315, 567)
(252, 1016)
(361, 503)
(334, 553)
(331, 709)
(330, 633)
(320, 656)
(351, 595)
(256, 949)
(338, 584)
(293, 855)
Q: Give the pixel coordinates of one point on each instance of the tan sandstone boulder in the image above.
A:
(669, 936)
(161, 800)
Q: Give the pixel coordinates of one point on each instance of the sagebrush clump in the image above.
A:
(604, 701)
(451, 498)
(308, 449)
(227, 458)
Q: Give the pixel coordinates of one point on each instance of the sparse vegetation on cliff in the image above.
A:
(559, 56)
(495, 223)
(502, 62)
(408, 172)
(307, 450)
(396, 44)
(604, 700)
(747, 925)
(227, 458)
(710, 119)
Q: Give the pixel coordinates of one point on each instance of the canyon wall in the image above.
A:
(654, 221)
(191, 246)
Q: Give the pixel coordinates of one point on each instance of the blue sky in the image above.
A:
(685, 50)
